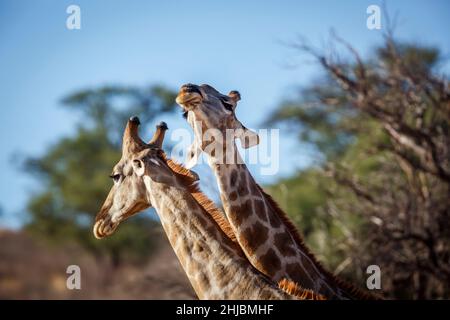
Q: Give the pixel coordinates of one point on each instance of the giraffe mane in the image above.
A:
(189, 179)
(349, 288)
(294, 289)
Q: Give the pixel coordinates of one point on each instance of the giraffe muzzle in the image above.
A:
(104, 228)
(189, 96)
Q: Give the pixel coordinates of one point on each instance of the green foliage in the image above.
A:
(74, 172)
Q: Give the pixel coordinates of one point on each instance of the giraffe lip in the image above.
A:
(188, 99)
(104, 228)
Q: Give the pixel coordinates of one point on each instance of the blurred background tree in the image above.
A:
(74, 173)
(380, 193)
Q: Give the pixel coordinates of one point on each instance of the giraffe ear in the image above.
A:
(156, 169)
(139, 167)
(193, 153)
(247, 137)
(235, 96)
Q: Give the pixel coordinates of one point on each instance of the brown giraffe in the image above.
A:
(268, 238)
(196, 229)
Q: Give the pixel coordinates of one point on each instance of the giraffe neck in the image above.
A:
(214, 264)
(267, 237)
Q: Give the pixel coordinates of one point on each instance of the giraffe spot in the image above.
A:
(227, 243)
(184, 253)
(265, 294)
(173, 231)
(202, 220)
(242, 188)
(240, 213)
(213, 229)
(254, 189)
(270, 261)
(243, 175)
(192, 205)
(172, 238)
(203, 281)
(233, 195)
(193, 227)
(274, 219)
(283, 242)
(233, 178)
(219, 274)
(260, 209)
(254, 236)
(198, 248)
(295, 272)
(235, 216)
(246, 208)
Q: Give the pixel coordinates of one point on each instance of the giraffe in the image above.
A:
(196, 229)
(267, 236)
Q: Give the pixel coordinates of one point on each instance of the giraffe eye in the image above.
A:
(115, 177)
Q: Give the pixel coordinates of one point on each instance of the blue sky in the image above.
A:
(228, 44)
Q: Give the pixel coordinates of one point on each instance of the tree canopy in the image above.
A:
(73, 173)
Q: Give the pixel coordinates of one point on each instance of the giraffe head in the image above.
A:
(128, 194)
(212, 115)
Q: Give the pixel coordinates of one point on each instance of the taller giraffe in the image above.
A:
(199, 235)
(268, 238)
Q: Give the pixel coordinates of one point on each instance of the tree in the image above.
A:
(74, 172)
(383, 189)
